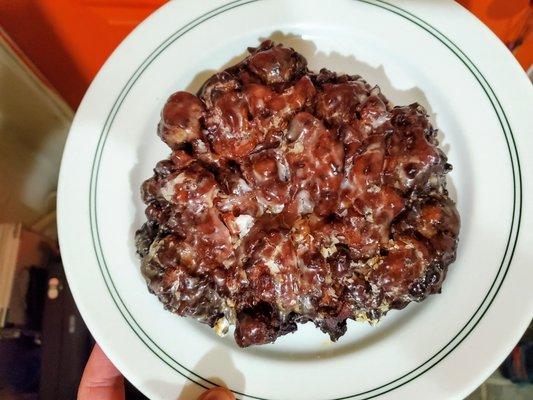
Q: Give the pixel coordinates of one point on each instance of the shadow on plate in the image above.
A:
(217, 358)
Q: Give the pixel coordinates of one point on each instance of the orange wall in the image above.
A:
(506, 18)
(68, 40)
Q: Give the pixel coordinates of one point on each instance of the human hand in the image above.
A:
(102, 381)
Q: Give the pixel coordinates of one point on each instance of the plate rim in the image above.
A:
(511, 146)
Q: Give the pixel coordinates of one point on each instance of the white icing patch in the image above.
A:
(272, 207)
(242, 187)
(305, 204)
(168, 191)
(283, 171)
(272, 266)
(276, 208)
(307, 305)
(245, 223)
(379, 121)
(346, 184)
(200, 146)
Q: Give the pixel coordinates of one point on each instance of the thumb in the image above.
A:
(218, 393)
(101, 380)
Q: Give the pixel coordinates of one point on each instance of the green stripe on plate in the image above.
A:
(441, 353)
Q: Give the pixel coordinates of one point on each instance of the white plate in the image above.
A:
(432, 52)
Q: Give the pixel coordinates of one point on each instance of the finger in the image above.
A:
(217, 394)
(101, 380)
